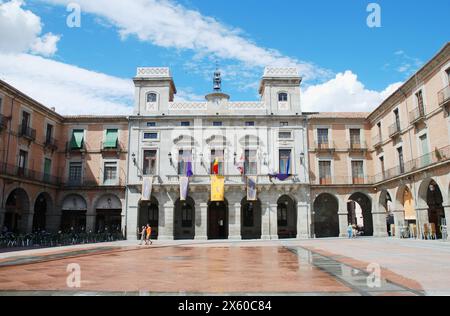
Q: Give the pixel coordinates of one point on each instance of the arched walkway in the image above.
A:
(326, 218)
(360, 213)
(184, 219)
(251, 219)
(431, 195)
(108, 214)
(287, 217)
(149, 214)
(385, 204)
(218, 220)
(17, 211)
(42, 207)
(74, 208)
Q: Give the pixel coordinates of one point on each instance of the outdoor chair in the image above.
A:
(412, 231)
(433, 233)
(426, 231)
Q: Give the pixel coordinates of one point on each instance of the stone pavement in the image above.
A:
(309, 267)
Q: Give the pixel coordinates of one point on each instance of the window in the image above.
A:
(149, 162)
(447, 71)
(285, 135)
(47, 169)
(25, 120)
(77, 141)
(219, 154)
(282, 97)
(397, 119)
(325, 172)
(151, 136)
(185, 124)
(420, 105)
(382, 167)
(249, 218)
(49, 134)
(322, 136)
(186, 215)
(75, 173)
(250, 163)
(112, 138)
(152, 98)
(151, 124)
(184, 162)
(284, 124)
(217, 124)
(355, 137)
(110, 173)
(285, 161)
(401, 161)
(249, 124)
(426, 155)
(23, 157)
(282, 214)
(358, 171)
(379, 130)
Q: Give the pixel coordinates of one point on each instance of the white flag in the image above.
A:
(147, 188)
(184, 188)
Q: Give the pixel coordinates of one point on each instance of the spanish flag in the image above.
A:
(217, 188)
(216, 166)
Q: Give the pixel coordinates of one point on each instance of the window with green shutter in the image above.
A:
(77, 139)
(112, 138)
(47, 169)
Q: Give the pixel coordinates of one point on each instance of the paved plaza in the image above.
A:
(310, 267)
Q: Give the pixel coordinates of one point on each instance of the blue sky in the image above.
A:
(346, 65)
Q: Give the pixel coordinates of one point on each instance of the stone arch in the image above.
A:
(251, 219)
(431, 198)
(149, 214)
(326, 217)
(42, 210)
(184, 219)
(74, 210)
(218, 220)
(386, 204)
(364, 221)
(108, 213)
(17, 211)
(287, 216)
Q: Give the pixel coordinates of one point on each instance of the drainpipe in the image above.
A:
(7, 148)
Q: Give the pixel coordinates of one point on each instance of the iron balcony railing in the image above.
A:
(51, 143)
(444, 96)
(340, 180)
(417, 115)
(394, 130)
(357, 146)
(24, 173)
(27, 132)
(324, 147)
(377, 141)
(106, 148)
(70, 148)
(435, 157)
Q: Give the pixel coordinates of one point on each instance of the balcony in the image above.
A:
(427, 160)
(106, 148)
(340, 180)
(444, 97)
(51, 143)
(377, 141)
(417, 115)
(357, 146)
(73, 149)
(28, 174)
(27, 132)
(394, 130)
(324, 147)
(3, 122)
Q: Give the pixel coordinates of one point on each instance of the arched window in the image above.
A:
(152, 98)
(282, 97)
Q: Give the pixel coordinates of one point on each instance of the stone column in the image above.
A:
(379, 223)
(26, 223)
(265, 211)
(303, 221)
(234, 221)
(201, 222)
(273, 221)
(447, 219)
(132, 211)
(399, 221)
(2, 218)
(343, 223)
(422, 219)
(166, 218)
(90, 220)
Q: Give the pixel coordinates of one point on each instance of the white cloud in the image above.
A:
(20, 31)
(344, 93)
(168, 24)
(70, 89)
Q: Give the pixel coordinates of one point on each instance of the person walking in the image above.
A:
(143, 232)
(350, 231)
(148, 232)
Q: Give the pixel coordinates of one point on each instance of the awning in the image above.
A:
(77, 139)
(112, 138)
